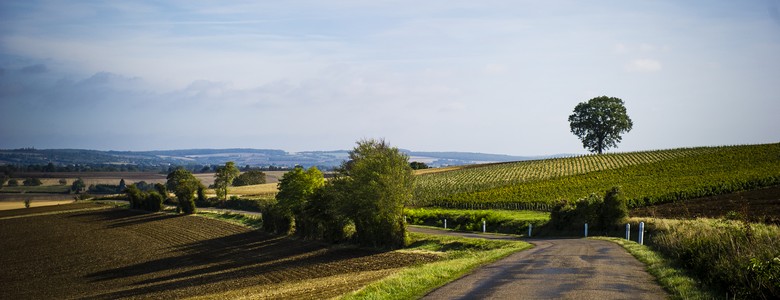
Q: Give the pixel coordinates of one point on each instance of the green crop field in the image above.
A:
(645, 178)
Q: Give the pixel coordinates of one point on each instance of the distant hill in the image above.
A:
(241, 156)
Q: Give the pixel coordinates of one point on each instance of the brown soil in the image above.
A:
(118, 253)
(761, 205)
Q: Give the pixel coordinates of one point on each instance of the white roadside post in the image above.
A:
(483, 226)
(445, 223)
(530, 226)
(628, 231)
(586, 229)
(641, 233)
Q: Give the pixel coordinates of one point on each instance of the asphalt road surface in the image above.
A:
(557, 269)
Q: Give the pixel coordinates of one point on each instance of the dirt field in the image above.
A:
(762, 205)
(117, 253)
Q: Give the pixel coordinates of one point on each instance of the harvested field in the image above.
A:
(118, 253)
(761, 205)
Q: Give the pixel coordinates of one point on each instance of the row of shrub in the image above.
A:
(498, 221)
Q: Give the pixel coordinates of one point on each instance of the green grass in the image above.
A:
(738, 258)
(459, 257)
(645, 178)
(499, 221)
(254, 222)
(678, 283)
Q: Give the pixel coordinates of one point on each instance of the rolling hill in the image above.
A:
(645, 178)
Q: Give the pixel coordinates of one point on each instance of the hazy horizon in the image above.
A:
(497, 77)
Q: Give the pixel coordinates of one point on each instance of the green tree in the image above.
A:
(32, 182)
(296, 188)
(78, 186)
(249, 178)
(13, 182)
(184, 185)
(600, 122)
(416, 165)
(376, 183)
(63, 181)
(223, 178)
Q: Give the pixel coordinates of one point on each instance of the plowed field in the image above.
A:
(117, 253)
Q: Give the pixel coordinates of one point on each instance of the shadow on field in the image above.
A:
(244, 259)
(121, 217)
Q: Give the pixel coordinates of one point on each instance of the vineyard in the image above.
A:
(645, 178)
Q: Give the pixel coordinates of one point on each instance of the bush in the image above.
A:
(32, 182)
(600, 214)
(13, 182)
(249, 178)
(500, 221)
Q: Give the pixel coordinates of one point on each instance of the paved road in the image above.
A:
(558, 269)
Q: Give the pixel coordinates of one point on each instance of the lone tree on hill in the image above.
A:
(600, 122)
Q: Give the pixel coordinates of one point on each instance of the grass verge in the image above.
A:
(497, 221)
(675, 281)
(459, 257)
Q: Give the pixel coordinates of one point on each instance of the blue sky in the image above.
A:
(481, 76)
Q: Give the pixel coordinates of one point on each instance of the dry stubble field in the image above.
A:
(118, 253)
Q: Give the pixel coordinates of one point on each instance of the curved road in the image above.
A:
(555, 269)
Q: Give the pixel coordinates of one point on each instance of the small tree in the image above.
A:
(63, 181)
(122, 186)
(223, 178)
(184, 185)
(13, 182)
(78, 186)
(600, 122)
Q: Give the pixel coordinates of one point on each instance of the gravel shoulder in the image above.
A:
(556, 269)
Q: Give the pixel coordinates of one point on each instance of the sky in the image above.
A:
(474, 76)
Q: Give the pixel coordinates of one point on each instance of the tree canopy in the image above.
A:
(600, 122)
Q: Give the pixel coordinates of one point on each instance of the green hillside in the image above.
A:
(645, 177)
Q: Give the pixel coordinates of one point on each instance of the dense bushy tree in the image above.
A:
(223, 178)
(13, 182)
(32, 182)
(184, 185)
(78, 186)
(151, 201)
(376, 183)
(614, 211)
(416, 165)
(251, 177)
(63, 181)
(296, 189)
(600, 122)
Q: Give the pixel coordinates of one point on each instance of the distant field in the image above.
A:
(645, 177)
(117, 253)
